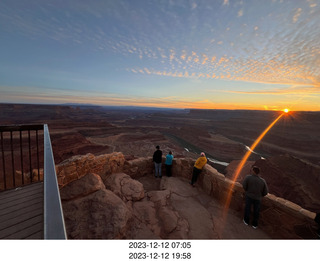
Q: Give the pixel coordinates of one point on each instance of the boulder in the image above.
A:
(125, 187)
(100, 215)
(82, 187)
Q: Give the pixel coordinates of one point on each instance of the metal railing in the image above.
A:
(54, 227)
(21, 158)
(26, 159)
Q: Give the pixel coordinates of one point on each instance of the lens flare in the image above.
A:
(243, 161)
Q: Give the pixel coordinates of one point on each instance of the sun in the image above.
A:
(286, 110)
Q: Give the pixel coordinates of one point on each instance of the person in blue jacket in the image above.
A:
(168, 163)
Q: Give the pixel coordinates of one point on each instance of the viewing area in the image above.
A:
(30, 205)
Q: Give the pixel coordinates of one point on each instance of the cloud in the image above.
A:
(296, 15)
(194, 6)
(294, 90)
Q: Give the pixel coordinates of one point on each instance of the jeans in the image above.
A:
(157, 167)
(256, 210)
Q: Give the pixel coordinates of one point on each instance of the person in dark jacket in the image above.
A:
(255, 188)
(157, 159)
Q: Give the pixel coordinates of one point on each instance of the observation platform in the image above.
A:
(21, 212)
(30, 204)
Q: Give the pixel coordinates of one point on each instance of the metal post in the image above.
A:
(30, 163)
(12, 160)
(21, 155)
(3, 162)
(38, 155)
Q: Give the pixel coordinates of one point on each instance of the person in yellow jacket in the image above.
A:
(197, 168)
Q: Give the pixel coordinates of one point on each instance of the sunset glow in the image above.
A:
(180, 54)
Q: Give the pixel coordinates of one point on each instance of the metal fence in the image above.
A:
(26, 158)
(21, 155)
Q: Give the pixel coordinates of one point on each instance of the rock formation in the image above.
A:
(107, 197)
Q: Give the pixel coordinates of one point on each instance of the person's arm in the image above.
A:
(265, 189)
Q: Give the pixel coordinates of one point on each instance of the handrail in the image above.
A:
(15, 141)
(21, 127)
(54, 227)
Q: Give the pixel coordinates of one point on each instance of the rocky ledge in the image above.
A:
(108, 197)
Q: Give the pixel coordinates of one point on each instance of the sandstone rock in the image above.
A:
(125, 187)
(82, 187)
(139, 167)
(172, 209)
(183, 167)
(100, 215)
(168, 219)
(160, 196)
(78, 166)
(145, 212)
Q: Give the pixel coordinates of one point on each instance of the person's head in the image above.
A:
(170, 152)
(157, 147)
(202, 154)
(256, 170)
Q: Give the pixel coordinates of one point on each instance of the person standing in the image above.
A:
(168, 163)
(255, 188)
(197, 168)
(157, 159)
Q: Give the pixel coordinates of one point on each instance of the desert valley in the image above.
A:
(289, 154)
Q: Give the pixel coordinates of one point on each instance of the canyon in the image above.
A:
(288, 155)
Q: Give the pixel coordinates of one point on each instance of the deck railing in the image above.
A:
(27, 159)
(54, 227)
(21, 158)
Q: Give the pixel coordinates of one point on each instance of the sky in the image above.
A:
(212, 54)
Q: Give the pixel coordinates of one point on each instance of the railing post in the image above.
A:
(54, 227)
(30, 161)
(12, 161)
(3, 164)
(21, 158)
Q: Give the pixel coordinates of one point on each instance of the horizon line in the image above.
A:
(149, 107)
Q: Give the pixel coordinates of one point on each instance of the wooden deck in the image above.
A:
(21, 212)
